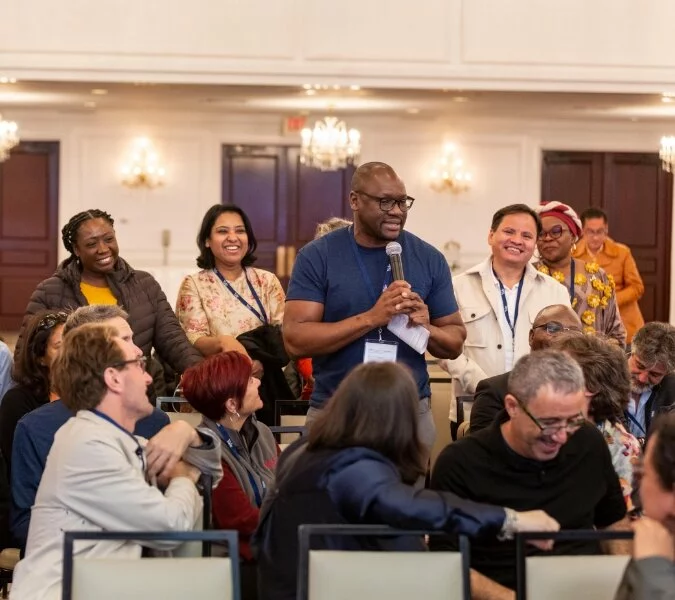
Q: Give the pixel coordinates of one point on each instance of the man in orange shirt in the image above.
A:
(617, 260)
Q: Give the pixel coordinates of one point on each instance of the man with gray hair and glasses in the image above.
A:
(651, 363)
(540, 453)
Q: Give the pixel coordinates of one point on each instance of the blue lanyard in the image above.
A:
(505, 305)
(233, 449)
(262, 315)
(364, 272)
(139, 449)
(635, 422)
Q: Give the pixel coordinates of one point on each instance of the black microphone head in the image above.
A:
(393, 248)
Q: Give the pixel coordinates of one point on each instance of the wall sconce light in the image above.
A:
(449, 173)
(143, 168)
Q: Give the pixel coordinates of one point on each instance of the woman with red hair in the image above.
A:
(224, 391)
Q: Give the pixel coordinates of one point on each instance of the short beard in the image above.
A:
(640, 388)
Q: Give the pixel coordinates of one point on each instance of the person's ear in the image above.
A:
(530, 336)
(112, 378)
(231, 406)
(353, 201)
(510, 404)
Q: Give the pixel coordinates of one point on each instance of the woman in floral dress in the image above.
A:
(591, 289)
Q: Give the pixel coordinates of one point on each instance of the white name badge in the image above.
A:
(380, 351)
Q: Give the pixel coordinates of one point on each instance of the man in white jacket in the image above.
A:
(99, 476)
(499, 299)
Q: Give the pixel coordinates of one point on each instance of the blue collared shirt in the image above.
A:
(638, 424)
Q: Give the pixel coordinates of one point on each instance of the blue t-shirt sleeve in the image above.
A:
(441, 299)
(308, 279)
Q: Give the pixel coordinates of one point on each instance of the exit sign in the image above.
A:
(294, 125)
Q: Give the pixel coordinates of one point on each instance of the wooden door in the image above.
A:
(284, 199)
(29, 182)
(636, 194)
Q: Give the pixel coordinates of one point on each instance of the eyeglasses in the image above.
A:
(549, 429)
(553, 327)
(554, 233)
(386, 204)
(141, 360)
(51, 320)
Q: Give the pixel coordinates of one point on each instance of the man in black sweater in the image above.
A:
(489, 397)
(539, 453)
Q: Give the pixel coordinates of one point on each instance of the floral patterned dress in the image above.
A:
(594, 298)
(205, 307)
(626, 453)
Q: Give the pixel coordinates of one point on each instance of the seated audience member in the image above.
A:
(591, 290)
(99, 476)
(6, 363)
(607, 389)
(31, 372)
(650, 575)
(358, 465)
(94, 273)
(651, 365)
(540, 453)
(498, 300)
(224, 391)
(488, 400)
(35, 432)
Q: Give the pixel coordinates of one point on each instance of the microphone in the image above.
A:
(394, 251)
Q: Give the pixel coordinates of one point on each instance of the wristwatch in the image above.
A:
(510, 525)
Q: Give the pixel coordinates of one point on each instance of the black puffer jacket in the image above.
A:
(150, 315)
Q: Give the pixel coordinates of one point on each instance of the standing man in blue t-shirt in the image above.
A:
(341, 295)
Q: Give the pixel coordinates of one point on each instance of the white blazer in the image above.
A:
(94, 480)
(480, 306)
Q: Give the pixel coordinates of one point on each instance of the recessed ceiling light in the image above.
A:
(310, 92)
(90, 104)
(99, 92)
(412, 111)
(460, 99)
(355, 88)
(336, 87)
(666, 99)
(307, 86)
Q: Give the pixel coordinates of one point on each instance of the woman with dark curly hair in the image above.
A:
(608, 390)
(31, 373)
(94, 273)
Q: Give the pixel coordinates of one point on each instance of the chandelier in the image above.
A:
(667, 153)
(9, 137)
(143, 168)
(330, 146)
(449, 174)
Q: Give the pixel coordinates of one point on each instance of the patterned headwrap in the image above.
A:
(563, 212)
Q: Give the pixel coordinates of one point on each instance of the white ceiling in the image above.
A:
(452, 103)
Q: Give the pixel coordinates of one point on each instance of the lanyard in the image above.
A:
(233, 449)
(635, 422)
(512, 326)
(139, 449)
(573, 268)
(364, 272)
(262, 315)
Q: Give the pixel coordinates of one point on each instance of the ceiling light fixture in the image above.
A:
(330, 146)
(667, 153)
(143, 168)
(99, 92)
(9, 137)
(449, 173)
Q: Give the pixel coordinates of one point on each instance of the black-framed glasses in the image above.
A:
(554, 233)
(386, 204)
(549, 429)
(141, 360)
(52, 319)
(554, 327)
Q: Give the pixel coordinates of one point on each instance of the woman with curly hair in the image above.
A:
(94, 273)
(608, 389)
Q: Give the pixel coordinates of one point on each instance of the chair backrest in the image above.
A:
(193, 418)
(139, 579)
(559, 577)
(334, 575)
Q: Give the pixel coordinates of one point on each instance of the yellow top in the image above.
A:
(97, 295)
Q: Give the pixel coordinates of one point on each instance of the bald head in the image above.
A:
(369, 171)
(551, 321)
